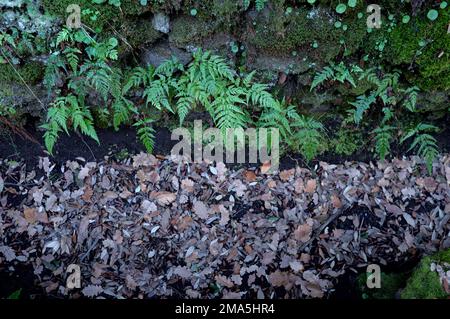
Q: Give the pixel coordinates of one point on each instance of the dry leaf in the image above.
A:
(164, 198)
(303, 232)
(201, 210)
(250, 176)
(92, 291)
(30, 215)
(336, 201)
(311, 186)
(286, 175)
(265, 167)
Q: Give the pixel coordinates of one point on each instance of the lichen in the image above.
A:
(310, 32)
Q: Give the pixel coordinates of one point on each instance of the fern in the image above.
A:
(425, 143)
(411, 98)
(361, 105)
(157, 95)
(146, 134)
(308, 138)
(326, 74)
(51, 135)
(260, 4)
(340, 73)
(65, 35)
(72, 57)
(383, 138)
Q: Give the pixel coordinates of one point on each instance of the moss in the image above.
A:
(139, 32)
(391, 283)
(109, 15)
(32, 72)
(346, 142)
(188, 30)
(433, 59)
(424, 283)
(278, 33)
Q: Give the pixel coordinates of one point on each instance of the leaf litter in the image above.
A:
(150, 227)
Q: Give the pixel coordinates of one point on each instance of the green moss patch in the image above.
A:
(424, 283)
(32, 72)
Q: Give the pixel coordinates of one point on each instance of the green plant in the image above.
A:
(346, 142)
(424, 282)
(208, 82)
(83, 65)
(388, 96)
(15, 295)
(308, 137)
(333, 72)
(259, 4)
(425, 143)
(5, 40)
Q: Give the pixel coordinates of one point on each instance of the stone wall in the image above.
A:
(287, 42)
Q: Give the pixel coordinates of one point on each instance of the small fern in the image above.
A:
(146, 133)
(308, 137)
(424, 143)
(383, 139)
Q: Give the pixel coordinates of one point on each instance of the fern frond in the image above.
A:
(260, 4)
(184, 105)
(383, 137)
(361, 105)
(308, 138)
(425, 143)
(146, 134)
(65, 35)
(326, 74)
(411, 98)
(72, 57)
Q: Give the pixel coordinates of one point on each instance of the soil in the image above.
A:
(114, 143)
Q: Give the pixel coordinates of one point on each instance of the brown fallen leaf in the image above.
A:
(335, 200)
(187, 185)
(265, 167)
(250, 176)
(164, 198)
(311, 186)
(30, 215)
(88, 192)
(92, 291)
(286, 175)
(303, 232)
(223, 281)
(201, 210)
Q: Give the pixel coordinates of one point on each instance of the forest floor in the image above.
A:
(144, 226)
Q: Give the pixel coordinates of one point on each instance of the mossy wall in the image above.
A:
(294, 37)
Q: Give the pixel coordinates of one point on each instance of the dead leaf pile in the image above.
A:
(151, 227)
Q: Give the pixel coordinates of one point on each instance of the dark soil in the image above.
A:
(21, 279)
(125, 141)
